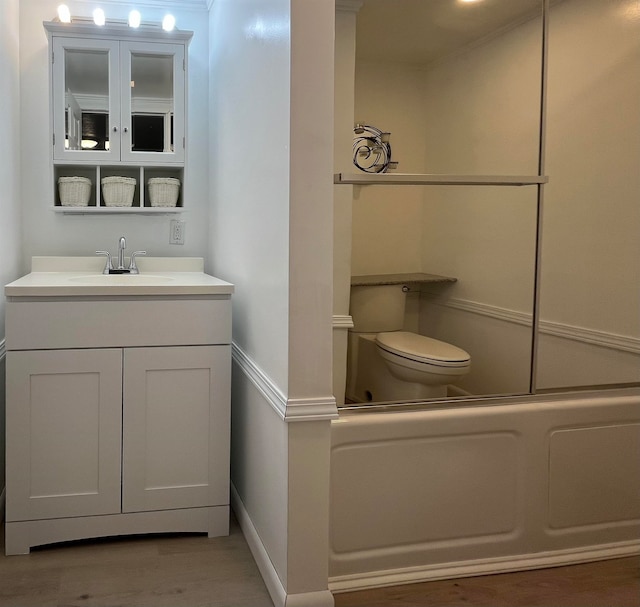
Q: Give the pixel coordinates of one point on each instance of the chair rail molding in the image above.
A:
(604, 339)
(321, 407)
(342, 321)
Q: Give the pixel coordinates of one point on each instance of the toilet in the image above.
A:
(386, 363)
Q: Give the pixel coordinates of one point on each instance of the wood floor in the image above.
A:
(193, 571)
(150, 571)
(614, 583)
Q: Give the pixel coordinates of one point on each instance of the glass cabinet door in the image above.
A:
(152, 102)
(85, 101)
(118, 101)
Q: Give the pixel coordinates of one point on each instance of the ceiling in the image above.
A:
(421, 31)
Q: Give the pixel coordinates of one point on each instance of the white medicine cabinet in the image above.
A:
(117, 109)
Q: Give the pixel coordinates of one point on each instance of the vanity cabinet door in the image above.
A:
(64, 422)
(176, 427)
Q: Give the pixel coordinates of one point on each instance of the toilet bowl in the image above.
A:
(389, 364)
(415, 358)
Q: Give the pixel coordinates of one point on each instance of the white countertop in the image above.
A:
(82, 276)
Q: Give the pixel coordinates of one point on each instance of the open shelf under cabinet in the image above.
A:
(141, 201)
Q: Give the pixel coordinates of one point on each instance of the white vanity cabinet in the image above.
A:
(118, 413)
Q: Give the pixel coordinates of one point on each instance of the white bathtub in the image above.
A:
(421, 493)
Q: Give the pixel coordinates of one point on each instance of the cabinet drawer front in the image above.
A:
(57, 323)
(64, 421)
(176, 428)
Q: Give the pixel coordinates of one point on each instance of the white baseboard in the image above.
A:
(260, 555)
(412, 575)
(269, 574)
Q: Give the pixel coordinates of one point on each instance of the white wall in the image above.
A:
(49, 233)
(387, 233)
(249, 125)
(10, 240)
(271, 235)
(10, 151)
(249, 243)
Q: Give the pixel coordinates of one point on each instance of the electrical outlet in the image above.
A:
(176, 234)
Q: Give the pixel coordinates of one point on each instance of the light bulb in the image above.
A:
(98, 16)
(64, 14)
(168, 23)
(134, 18)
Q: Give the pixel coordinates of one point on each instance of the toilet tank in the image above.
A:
(377, 308)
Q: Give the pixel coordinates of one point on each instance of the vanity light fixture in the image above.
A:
(134, 18)
(168, 23)
(98, 16)
(64, 14)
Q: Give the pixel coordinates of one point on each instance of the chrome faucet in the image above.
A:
(120, 269)
(133, 268)
(108, 268)
(122, 245)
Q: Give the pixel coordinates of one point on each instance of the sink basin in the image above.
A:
(120, 279)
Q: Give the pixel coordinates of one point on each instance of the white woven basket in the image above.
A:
(163, 191)
(74, 191)
(118, 191)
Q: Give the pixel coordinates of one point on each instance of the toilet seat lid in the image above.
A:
(423, 349)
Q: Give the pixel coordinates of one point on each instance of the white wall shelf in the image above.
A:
(141, 203)
(427, 179)
(118, 210)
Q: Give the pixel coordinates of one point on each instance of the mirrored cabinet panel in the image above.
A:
(118, 109)
(152, 102)
(118, 100)
(84, 98)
